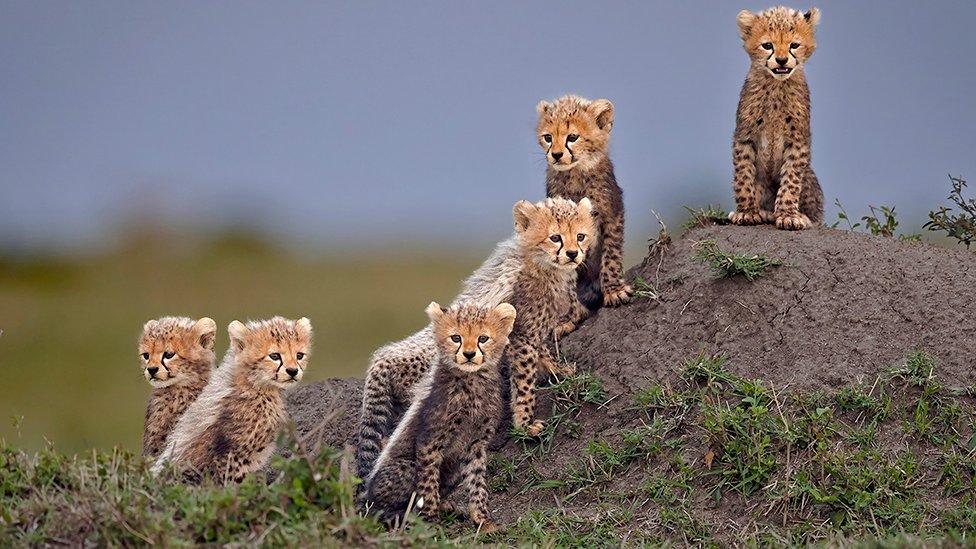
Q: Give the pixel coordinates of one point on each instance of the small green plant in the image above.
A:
(958, 222)
(703, 217)
(729, 265)
(644, 290)
(883, 221)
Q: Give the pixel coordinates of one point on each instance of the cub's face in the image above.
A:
(555, 231)
(175, 349)
(779, 39)
(473, 336)
(274, 351)
(573, 131)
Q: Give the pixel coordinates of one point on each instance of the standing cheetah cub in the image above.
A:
(575, 134)
(230, 430)
(177, 356)
(771, 147)
(443, 438)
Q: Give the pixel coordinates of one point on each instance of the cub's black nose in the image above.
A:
(782, 61)
(469, 354)
(571, 254)
(152, 371)
(557, 155)
(291, 371)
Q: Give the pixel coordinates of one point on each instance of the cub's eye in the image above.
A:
(168, 355)
(794, 45)
(767, 46)
(482, 339)
(456, 338)
(299, 356)
(547, 138)
(145, 356)
(275, 356)
(571, 138)
(556, 238)
(580, 237)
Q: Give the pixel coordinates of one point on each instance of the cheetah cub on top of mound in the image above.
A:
(396, 368)
(230, 430)
(771, 147)
(575, 134)
(177, 356)
(443, 439)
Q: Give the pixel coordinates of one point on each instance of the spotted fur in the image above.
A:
(774, 182)
(443, 439)
(176, 355)
(575, 134)
(396, 369)
(229, 431)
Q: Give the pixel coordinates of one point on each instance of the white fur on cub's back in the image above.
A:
(492, 283)
(200, 415)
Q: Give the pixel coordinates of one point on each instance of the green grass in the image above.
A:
(69, 326)
(730, 265)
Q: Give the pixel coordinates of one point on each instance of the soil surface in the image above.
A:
(842, 308)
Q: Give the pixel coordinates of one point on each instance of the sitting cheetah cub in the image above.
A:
(773, 179)
(230, 430)
(396, 368)
(177, 357)
(575, 134)
(560, 232)
(443, 438)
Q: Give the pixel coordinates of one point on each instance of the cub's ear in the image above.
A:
(505, 315)
(237, 332)
(602, 110)
(150, 325)
(543, 107)
(745, 19)
(435, 311)
(206, 331)
(585, 207)
(812, 17)
(304, 327)
(523, 212)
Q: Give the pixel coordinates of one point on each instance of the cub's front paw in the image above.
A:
(564, 328)
(557, 369)
(748, 218)
(793, 222)
(619, 295)
(486, 526)
(535, 428)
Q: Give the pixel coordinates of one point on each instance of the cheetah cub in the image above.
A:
(177, 356)
(443, 439)
(230, 430)
(396, 368)
(575, 134)
(773, 179)
(558, 233)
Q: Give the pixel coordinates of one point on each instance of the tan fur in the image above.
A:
(176, 355)
(229, 431)
(575, 134)
(774, 182)
(396, 369)
(443, 440)
(540, 294)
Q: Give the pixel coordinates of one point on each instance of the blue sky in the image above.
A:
(412, 123)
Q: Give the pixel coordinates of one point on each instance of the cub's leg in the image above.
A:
(430, 456)
(390, 488)
(792, 176)
(474, 478)
(745, 186)
(615, 291)
(525, 368)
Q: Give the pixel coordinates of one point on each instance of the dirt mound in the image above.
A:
(649, 440)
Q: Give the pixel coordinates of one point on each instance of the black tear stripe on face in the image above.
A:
(572, 157)
(458, 350)
(281, 364)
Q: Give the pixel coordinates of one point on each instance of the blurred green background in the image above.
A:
(68, 363)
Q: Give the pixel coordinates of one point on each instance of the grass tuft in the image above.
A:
(729, 265)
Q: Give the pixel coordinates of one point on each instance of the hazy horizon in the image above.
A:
(385, 124)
